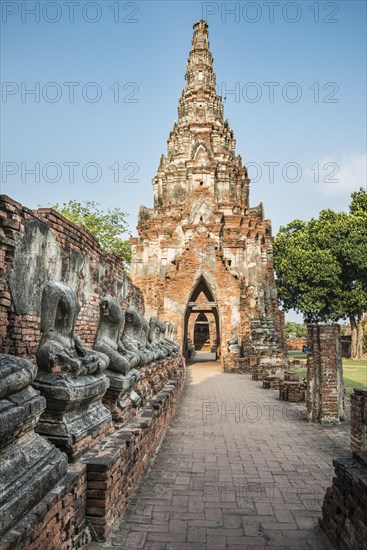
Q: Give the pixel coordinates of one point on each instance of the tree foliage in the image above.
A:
(107, 226)
(295, 330)
(321, 267)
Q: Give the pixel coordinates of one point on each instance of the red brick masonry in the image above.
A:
(358, 420)
(96, 489)
(325, 391)
(57, 521)
(52, 248)
(293, 391)
(344, 512)
(271, 382)
(115, 466)
(296, 344)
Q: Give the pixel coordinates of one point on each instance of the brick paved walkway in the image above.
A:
(238, 469)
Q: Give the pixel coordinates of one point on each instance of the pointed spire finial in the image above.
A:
(199, 100)
(199, 73)
(200, 38)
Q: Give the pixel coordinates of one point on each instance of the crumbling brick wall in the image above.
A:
(115, 466)
(58, 520)
(325, 391)
(98, 485)
(35, 247)
(41, 245)
(358, 420)
(344, 511)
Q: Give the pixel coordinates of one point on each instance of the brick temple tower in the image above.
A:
(203, 257)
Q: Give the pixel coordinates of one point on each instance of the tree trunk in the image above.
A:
(357, 337)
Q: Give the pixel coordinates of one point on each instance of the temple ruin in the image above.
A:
(91, 364)
(203, 256)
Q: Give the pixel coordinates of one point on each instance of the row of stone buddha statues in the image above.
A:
(125, 340)
(76, 394)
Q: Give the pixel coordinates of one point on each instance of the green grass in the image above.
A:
(350, 363)
(301, 371)
(354, 375)
(346, 362)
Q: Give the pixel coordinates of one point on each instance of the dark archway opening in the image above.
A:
(202, 333)
(201, 340)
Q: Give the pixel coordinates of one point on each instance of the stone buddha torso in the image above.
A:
(108, 337)
(154, 336)
(134, 336)
(61, 351)
(170, 335)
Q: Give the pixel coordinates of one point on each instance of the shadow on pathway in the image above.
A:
(237, 469)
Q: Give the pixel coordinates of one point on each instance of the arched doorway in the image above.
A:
(201, 332)
(201, 323)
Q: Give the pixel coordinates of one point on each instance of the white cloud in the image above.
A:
(342, 176)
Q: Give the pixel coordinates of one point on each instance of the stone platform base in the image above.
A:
(344, 512)
(292, 391)
(241, 365)
(152, 379)
(57, 521)
(95, 490)
(260, 372)
(254, 363)
(75, 418)
(272, 382)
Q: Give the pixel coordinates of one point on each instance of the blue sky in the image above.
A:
(312, 55)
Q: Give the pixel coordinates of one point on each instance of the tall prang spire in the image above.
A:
(201, 241)
(201, 146)
(199, 99)
(199, 72)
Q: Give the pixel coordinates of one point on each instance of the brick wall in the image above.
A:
(95, 490)
(41, 245)
(344, 511)
(296, 344)
(325, 391)
(358, 420)
(35, 247)
(292, 391)
(57, 521)
(115, 466)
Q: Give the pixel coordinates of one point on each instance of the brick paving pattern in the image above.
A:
(237, 470)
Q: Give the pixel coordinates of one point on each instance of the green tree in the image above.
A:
(321, 267)
(107, 226)
(295, 330)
